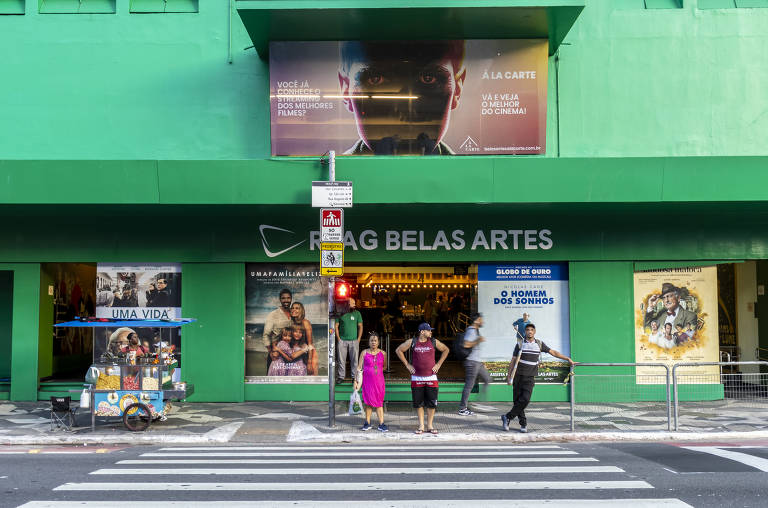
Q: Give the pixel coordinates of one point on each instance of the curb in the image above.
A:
(219, 435)
(302, 432)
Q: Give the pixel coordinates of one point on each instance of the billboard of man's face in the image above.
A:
(402, 94)
(399, 97)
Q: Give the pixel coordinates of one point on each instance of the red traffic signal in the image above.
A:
(342, 291)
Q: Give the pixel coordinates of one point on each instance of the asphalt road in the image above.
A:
(431, 473)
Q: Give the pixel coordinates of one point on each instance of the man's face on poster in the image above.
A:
(401, 91)
(671, 299)
(285, 301)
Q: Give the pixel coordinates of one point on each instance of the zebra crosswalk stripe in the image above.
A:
(359, 460)
(354, 453)
(407, 503)
(378, 447)
(365, 470)
(361, 487)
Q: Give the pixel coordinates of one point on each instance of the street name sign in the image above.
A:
(332, 194)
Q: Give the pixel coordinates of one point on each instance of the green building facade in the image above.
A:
(139, 132)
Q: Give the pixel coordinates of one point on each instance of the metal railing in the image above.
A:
(650, 390)
(641, 396)
(712, 389)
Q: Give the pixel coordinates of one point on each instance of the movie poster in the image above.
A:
(454, 97)
(511, 296)
(286, 323)
(676, 321)
(140, 291)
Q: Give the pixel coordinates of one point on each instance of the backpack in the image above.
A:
(520, 344)
(459, 350)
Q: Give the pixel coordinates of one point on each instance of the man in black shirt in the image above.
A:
(523, 367)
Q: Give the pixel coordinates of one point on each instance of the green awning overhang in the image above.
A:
(331, 20)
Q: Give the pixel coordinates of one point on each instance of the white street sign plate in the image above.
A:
(332, 225)
(332, 194)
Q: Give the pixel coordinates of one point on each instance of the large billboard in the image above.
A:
(286, 323)
(510, 296)
(451, 97)
(676, 321)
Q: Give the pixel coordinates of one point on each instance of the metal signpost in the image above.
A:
(331, 197)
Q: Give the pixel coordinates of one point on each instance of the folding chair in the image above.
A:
(62, 416)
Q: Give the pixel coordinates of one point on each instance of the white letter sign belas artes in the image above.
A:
(332, 225)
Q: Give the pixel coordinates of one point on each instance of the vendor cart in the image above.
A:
(119, 384)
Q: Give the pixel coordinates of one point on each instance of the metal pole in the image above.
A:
(332, 165)
(92, 395)
(669, 403)
(388, 355)
(677, 402)
(331, 360)
(573, 401)
(331, 321)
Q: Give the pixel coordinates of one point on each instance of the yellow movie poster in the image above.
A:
(676, 321)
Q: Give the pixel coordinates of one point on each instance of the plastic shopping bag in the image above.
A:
(355, 404)
(92, 376)
(85, 399)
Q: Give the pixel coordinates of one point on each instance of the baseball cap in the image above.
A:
(425, 326)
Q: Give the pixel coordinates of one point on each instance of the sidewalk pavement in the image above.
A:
(28, 423)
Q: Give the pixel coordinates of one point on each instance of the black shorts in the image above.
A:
(424, 396)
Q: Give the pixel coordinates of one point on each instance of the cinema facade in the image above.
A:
(611, 185)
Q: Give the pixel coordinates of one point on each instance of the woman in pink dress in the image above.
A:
(371, 376)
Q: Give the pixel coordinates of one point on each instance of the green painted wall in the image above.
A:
(45, 344)
(213, 348)
(676, 82)
(601, 298)
(630, 82)
(6, 322)
(127, 86)
(25, 329)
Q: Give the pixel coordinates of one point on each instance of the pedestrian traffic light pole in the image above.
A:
(331, 320)
(331, 355)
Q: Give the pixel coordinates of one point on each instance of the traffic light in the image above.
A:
(342, 291)
(339, 304)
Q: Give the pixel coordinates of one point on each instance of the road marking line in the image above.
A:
(350, 454)
(373, 486)
(457, 460)
(364, 470)
(744, 458)
(405, 503)
(342, 448)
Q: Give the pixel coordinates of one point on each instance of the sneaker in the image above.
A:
(465, 412)
(383, 428)
(524, 430)
(504, 422)
(366, 426)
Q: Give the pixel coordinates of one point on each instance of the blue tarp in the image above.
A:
(132, 323)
